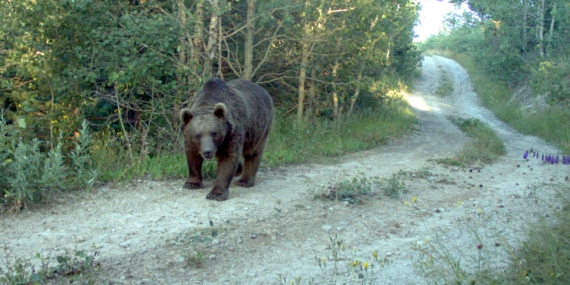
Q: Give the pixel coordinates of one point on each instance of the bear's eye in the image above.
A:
(197, 137)
(214, 134)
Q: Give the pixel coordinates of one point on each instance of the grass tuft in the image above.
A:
(485, 146)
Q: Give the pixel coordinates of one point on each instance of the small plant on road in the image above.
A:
(354, 190)
(351, 190)
(195, 244)
(393, 187)
(342, 266)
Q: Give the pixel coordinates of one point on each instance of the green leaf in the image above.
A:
(21, 122)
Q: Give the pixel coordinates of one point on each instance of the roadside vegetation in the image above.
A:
(517, 58)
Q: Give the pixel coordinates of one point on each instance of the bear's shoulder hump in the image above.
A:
(213, 84)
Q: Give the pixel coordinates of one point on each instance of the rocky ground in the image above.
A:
(154, 232)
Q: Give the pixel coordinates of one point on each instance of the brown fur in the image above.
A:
(229, 121)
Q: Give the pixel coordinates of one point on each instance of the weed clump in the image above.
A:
(354, 190)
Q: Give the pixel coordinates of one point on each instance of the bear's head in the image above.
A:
(205, 131)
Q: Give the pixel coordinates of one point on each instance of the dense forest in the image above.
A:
(82, 75)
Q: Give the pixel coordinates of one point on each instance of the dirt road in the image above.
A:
(151, 232)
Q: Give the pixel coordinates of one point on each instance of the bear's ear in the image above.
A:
(185, 117)
(220, 110)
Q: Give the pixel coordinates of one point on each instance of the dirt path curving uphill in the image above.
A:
(148, 232)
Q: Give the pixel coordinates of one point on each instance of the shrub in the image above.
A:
(31, 174)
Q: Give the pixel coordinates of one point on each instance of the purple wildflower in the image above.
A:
(525, 155)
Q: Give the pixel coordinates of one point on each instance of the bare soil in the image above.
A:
(151, 232)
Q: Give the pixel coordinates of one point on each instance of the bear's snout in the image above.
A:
(208, 155)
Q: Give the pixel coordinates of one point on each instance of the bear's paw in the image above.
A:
(192, 185)
(218, 195)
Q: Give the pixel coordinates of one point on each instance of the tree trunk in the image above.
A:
(302, 77)
(312, 103)
(356, 92)
(182, 61)
(335, 67)
(388, 51)
(213, 39)
(334, 94)
(198, 40)
(551, 30)
(181, 15)
(524, 43)
(222, 62)
(249, 35)
(540, 27)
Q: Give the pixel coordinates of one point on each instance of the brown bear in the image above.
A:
(229, 121)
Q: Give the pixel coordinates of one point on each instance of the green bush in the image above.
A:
(551, 79)
(31, 174)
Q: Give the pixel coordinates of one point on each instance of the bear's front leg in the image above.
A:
(194, 161)
(225, 174)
